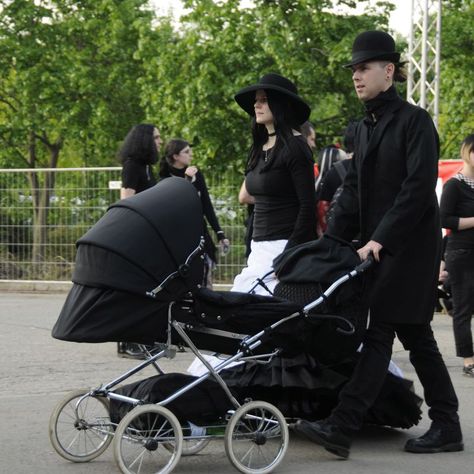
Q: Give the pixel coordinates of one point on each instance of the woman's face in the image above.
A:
(157, 138)
(183, 158)
(263, 114)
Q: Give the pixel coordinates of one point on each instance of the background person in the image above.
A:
(279, 176)
(177, 162)
(389, 198)
(457, 214)
(138, 154)
(309, 133)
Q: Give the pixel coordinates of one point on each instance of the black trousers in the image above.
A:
(460, 266)
(359, 394)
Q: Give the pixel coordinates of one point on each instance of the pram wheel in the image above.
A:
(191, 446)
(140, 439)
(83, 436)
(256, 438)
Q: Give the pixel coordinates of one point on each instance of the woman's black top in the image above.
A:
(457, 201)
(137, 176)
(283, 188)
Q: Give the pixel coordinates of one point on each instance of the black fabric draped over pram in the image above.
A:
(145, 253)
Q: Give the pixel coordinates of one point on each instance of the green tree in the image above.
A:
(457, 63)
(69, 77)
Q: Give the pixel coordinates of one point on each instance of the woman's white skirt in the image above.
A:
(258, 273)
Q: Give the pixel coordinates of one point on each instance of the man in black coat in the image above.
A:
(389, 198)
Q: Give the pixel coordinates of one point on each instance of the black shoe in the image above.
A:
(130, 350)
(326, 434)
(437, 439)
(468, 370)
(447, 305)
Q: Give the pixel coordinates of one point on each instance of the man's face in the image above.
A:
(371, 78)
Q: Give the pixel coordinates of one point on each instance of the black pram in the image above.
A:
(136, 279)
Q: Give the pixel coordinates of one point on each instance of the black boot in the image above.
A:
(437, 439)
(130, 350)
(326, 434)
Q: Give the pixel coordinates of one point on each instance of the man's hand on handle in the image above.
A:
(371, 247)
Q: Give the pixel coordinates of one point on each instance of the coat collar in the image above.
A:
(382, 124)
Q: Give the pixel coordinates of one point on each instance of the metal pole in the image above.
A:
(424, 58)
(410, 83)
(437, 65)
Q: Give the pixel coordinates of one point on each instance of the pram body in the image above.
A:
(137, 279)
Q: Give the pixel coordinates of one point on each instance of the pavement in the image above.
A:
(37, 371)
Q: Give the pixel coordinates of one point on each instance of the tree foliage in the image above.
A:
(69, 78)
(457, 64)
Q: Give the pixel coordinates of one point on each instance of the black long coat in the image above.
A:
(389, 196)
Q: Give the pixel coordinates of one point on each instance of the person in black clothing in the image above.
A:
(330, 184)
(176, 162)
(279, 176)
(389, 198)
(138, 154)
(457, 214)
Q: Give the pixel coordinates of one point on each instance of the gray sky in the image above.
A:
(399, 21)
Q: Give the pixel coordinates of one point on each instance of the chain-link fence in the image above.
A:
(44, 211)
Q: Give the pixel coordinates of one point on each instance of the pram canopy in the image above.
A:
(132, 250)
(143, 239)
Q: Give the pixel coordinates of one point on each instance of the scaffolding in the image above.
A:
(424, 56)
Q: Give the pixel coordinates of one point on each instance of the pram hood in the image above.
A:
(142, 240)
(127, 254)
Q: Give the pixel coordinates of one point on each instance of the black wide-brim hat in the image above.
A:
(373, 46)
(246, 96)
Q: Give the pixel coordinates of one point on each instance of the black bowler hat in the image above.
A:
(246, 96)
(373, 46)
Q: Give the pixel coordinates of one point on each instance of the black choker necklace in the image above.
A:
(272, 134)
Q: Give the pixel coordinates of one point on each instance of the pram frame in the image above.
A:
(247, 345)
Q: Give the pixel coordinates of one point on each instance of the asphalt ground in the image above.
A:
(37, 371)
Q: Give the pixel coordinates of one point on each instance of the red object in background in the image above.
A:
(448, 168)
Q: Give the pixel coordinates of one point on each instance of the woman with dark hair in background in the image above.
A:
(279, 176)
(138, 153)
(457, 214)
(176, 162)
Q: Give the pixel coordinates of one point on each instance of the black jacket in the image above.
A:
(389, 196)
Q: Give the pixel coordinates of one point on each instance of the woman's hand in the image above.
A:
(190, 172)
(225, 246)
(371, 247)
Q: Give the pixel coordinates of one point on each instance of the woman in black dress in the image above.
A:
(457, 214)
(138, 154)
(177, 162)
(279, 176)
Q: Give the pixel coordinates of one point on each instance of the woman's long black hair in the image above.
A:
(139, 145)
(173, 147)
(284, 122)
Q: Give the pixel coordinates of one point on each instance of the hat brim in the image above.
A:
(246, 100)
(375, 56)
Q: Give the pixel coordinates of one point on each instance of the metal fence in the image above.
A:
(44, 211)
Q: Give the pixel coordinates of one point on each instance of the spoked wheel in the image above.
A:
(256, 438)
(83, 435)
(140, 439)
(191, 446)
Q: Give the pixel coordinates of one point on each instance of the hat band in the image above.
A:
(374, 54)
